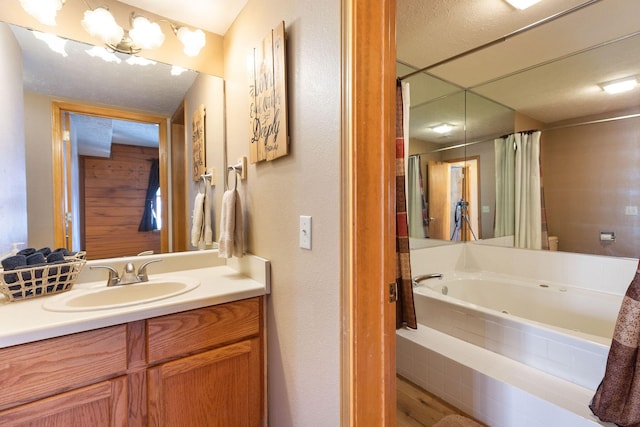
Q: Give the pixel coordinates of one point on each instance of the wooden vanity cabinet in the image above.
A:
(197, 379)
(203, 367)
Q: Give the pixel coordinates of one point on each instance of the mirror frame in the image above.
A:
(57, 109)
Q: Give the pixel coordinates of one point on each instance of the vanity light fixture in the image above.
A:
(442, 128)
(621, 85)
(522, 4)
(55, 43)
(44, 11)
(100, 23)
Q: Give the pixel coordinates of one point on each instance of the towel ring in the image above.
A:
(203, 180)
(235, 174)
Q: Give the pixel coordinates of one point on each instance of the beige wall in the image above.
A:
(208, 91)
(590, 175)
(13, 202)
(303, 311)
(39, 166)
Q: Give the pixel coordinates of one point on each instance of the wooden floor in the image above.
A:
(416, 407)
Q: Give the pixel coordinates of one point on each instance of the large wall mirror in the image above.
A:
(129, 114)
(499, 74)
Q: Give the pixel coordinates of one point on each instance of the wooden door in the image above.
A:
(99, 405)
(216, 388)
(439, 193)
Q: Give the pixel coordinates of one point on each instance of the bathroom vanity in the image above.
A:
(196, 359)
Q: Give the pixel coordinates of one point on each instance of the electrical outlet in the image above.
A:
(305, 232)
(631, 210)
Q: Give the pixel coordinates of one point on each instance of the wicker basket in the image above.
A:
(48, 279)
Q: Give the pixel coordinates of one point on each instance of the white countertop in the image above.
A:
(27, 321)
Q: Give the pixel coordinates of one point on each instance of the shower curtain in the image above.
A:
(416, 203)
(528, 207)
(505, 186)
(519, 202)
(405, 310)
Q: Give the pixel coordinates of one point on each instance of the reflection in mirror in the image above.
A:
(147, 90)
(456, 165)
(589, 139)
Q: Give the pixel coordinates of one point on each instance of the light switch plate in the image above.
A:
(305, 232)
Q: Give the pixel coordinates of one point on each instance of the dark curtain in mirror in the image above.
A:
(149, 222)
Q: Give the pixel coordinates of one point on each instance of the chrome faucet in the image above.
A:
(128, 275)
(417, 279)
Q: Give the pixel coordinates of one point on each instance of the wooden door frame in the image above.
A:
(179, 180)
(57, 109)
(368, 200)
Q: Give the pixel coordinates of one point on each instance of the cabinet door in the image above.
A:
(220, 387)
(99, 405)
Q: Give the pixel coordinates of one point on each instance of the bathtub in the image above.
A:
(561, 330)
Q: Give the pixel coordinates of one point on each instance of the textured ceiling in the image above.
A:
(537, 72)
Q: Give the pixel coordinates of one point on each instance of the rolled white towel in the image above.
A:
(196, 227)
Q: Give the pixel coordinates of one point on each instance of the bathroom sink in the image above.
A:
(102, 298)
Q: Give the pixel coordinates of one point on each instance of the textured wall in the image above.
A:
(303, 313)
(590, 176)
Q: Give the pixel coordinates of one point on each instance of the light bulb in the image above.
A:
(101, 23)
(44, 11)
(619, 86)
(146, 34)
(193, 41)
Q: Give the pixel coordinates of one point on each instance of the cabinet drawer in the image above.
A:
(191, 331)
(101, 404)
(38, 369)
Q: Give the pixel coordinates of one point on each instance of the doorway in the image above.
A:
(66, 210)
(454, 199)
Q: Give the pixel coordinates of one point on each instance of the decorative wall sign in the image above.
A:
(268, 132)
(198, 142)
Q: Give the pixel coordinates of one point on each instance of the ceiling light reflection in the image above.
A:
(55, 43)
(104, 54)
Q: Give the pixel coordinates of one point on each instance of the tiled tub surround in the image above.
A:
(498, 366)
(537, 326)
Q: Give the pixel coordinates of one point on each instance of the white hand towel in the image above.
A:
(208, 232)
(238, 232)
(231, 240)
(196, 227)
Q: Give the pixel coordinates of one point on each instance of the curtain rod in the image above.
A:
(568, 125)
(504, 38)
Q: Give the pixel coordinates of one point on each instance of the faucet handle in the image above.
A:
(113, 279)
(142, 271)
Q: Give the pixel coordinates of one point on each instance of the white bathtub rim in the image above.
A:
(574, 335)
(513, 280)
